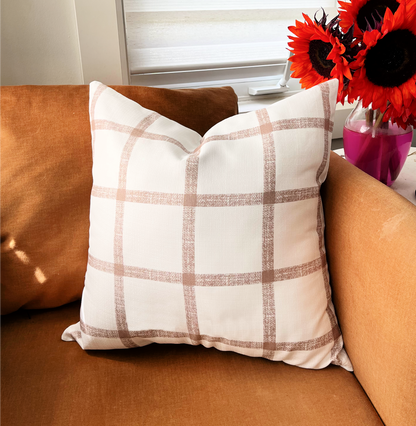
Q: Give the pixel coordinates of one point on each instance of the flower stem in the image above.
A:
(369, 117)
(379, 119)
(379, 124)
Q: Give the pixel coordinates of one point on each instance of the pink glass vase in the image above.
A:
(379, 149)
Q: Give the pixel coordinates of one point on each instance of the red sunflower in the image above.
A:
(317, 55)
(365, 14)
(385, 73)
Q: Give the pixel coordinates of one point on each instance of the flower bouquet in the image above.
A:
(370, 47)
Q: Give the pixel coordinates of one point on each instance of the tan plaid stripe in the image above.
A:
(304, 345)
(121, 128)
(297, 123)
(118, 229)
(188, 245)
(303, 123)
(208, 280)
(135, 272)
(207, 200)
(118, 239)
(143, 197)
(269, 178)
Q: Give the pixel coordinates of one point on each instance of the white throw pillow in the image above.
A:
(217, 240)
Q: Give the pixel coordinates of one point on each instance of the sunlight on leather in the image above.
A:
(24, 258)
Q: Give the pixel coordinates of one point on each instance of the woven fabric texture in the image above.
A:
(217, 240)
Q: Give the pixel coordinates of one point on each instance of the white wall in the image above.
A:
(39, 42)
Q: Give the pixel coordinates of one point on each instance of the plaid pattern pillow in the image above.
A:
(217, 240)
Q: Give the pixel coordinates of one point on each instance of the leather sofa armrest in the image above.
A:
(371, 247)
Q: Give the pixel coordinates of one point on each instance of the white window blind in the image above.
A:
(185, 43)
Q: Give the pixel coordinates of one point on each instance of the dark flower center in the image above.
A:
(374, 9)
(318, 52)
(392, 61)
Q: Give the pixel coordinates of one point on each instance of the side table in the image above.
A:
(405, 184)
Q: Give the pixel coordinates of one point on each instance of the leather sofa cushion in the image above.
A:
(46, 181)
(45, 381)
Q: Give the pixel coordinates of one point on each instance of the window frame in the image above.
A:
(103, 52)
(102, 41)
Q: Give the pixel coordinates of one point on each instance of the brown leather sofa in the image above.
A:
(46, 180)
